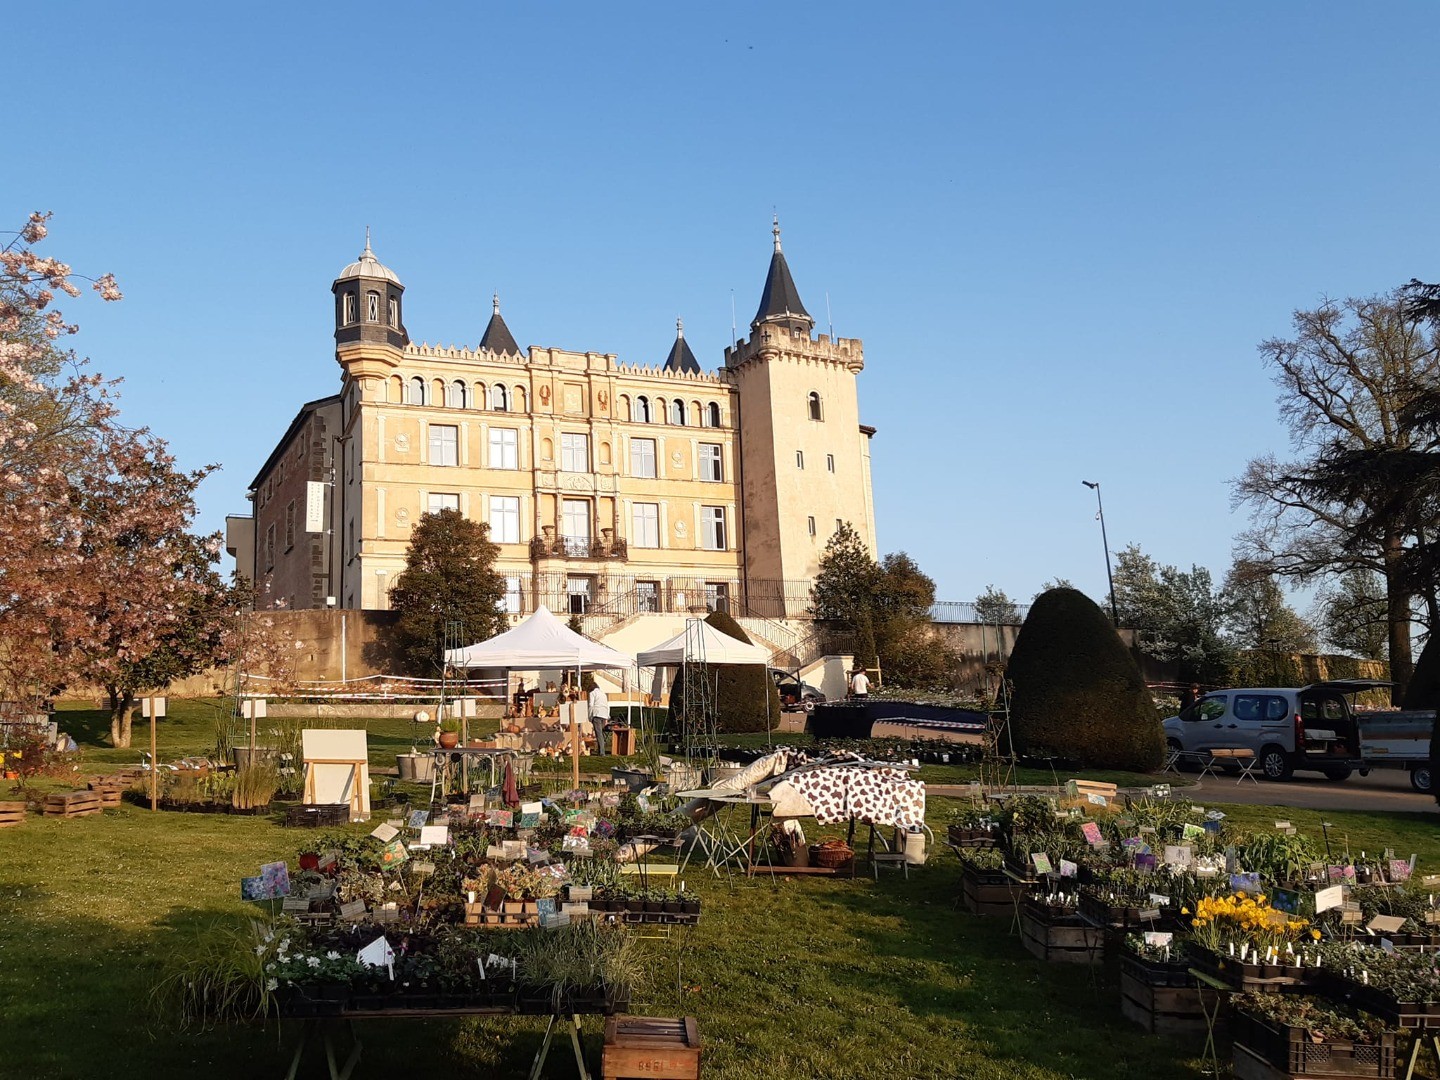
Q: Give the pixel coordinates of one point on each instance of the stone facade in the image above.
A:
(613, 489)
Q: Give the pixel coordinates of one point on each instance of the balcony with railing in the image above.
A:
(550, 546)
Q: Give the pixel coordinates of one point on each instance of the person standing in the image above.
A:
(859, 684)
(599, 715)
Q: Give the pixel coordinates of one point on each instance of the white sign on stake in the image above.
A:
(1325, 899)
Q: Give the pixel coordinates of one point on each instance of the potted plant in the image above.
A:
(689, 903)
(670, 902)
(449, 733)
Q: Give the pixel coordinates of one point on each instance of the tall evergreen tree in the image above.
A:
(449, 578)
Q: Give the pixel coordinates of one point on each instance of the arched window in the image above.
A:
(624, 407)
(677, 412)
(499, 398)
(455, 395)
(712, 414)
(478, 395)
(394, 312)
(642, 410)
(372, 307)
(347, 315)
(517, 399)
(813, 404)
(417, 391)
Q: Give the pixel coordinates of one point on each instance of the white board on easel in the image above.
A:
(337, 769)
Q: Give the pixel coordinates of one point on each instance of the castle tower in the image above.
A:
(804, 455)
(369, 304)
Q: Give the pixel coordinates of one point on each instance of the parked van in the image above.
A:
(1310, 728)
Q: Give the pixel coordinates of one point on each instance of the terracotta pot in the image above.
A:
(449, 739)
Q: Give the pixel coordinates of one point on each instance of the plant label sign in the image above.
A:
(1159, 937)
(1191, 831)
(353, 910)
(1068, 868)
(1400, 869)
(1245, 882)
(1145, 860)
(1385, 924)
(435, 835)
(1042, 862)
(385, 833)
(1178, 855)
(1328, 898)
(418, 818)
(394, 853)
(1159, 901)
(1091, 832)
(1286, 900)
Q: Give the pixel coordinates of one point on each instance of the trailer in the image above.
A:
(1398, 739)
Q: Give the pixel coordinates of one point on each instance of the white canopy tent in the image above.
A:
(541, 641)
(701, 643)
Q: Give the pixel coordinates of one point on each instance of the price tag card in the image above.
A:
(435, 835)
(1091, 832)
(1385, 924)
(1178, 855)
(1399, 869)
(1245, 882)
(1042, 862)
(1159, 937)
(385, 833)
(1332, 897)
(1191, 831)
(1068, 868)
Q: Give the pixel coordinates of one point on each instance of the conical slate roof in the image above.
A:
(497, 337)
(780, 300)
(681, 358)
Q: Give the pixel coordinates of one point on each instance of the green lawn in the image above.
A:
(790, 979)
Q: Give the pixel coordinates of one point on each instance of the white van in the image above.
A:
(1309, 728)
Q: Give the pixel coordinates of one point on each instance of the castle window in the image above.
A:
(642, 410)
(504, 448)
(712, 414)
(830, 462)
(574, 452)
(511, 604)
(811, 522)
(796, 332)
(372, 307)
(437, 501)
(645, 525)
(642, 458)
(290, 525)
(394, 312)
(444, 444)
(813, 404)
(417, 391)
(710, 462)
(348, 304)
(677, 412)
(712, 528)
(799, 459)
(499, 398)
(505, 519)
(270, 547)
(455, 395)
(623, 407)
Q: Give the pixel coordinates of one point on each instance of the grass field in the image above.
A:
(791, 979)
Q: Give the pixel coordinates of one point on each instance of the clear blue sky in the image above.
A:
(1060, 229)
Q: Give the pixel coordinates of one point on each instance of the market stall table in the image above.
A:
(446, 760)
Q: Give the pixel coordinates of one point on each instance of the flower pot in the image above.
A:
(309, 860)
(653, 906)
(671, 906)
(449, 739)
(690, 907)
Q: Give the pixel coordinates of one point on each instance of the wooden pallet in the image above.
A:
(659, 1047)
(1161, 1010)
(11, 813)
(72, 804)
(109, 792)
(1065, 942)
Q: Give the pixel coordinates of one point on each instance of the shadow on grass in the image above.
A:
(81, 1002)
(907, 951)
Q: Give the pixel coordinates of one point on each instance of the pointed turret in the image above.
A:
(681, 359)
(780, 302)
(497, 337)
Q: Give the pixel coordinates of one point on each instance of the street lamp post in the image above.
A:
(1094, 485)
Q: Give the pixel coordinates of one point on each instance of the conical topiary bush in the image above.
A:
(1077, 691)
(745, 697)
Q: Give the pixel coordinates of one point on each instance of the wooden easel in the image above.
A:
(357, 807)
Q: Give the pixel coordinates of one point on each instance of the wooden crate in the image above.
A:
(1161, 1010)
(11, 813)
(1067, 942)
(109, 792)
(514, 916)
(72, 804)
(986, 894)
(662, 1047)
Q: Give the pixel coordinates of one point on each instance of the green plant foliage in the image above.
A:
(1078, 692)
(746, 698)
(449, 577)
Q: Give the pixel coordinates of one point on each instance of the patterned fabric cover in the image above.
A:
(870, 796)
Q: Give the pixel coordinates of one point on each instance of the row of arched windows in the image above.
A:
(676, 411)
(456, 394)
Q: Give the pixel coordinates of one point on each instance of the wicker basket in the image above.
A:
(832, 856)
